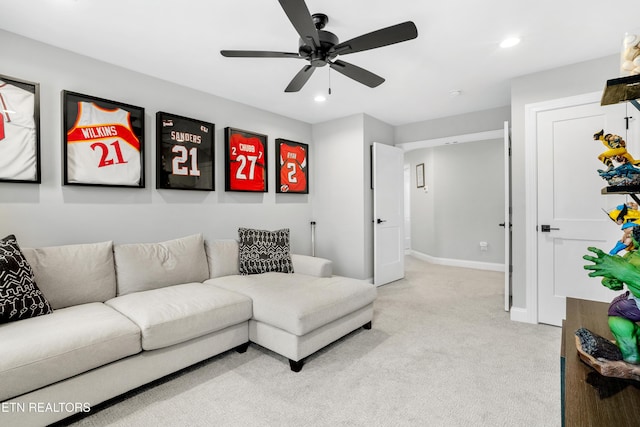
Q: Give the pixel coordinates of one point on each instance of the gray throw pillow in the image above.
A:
(261, 251)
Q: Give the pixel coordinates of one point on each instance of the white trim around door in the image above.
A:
(531, 111)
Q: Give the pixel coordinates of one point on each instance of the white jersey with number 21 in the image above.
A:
(102, 148)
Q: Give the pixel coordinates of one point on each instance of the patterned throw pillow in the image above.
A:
(20, 297)
(262, 251)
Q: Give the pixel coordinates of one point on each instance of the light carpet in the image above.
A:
(442, 352)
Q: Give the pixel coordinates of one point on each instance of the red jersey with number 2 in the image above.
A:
(247, 164)
(293, 161)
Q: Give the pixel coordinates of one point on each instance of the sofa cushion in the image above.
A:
(261, 251)
(74, 274)
(166, 263)
(20, 297)
(222, 256)
(175, 314)
(42, 350)
(299, 303)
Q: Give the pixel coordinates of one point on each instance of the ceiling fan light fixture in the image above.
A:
(320, 98)
(320, 48)
(509, 42)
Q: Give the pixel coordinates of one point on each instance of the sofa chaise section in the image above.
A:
(296, 314)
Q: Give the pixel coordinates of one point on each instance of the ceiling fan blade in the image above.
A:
(300, 79)
(383, 37)
(258, 54)
(299, 15)
(358, 74)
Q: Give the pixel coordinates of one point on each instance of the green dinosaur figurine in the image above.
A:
(624, 311)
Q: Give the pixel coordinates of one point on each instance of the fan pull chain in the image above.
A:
(329, 80)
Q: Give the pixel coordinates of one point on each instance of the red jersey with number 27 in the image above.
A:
(247, 164)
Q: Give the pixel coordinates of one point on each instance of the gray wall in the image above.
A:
(423, 203)
(464, 203)
(338, 199)
(465, 199)
(562, 82)
(478, 121)
(53, 214)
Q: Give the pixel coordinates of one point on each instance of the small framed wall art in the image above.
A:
(19, 130)
(185, 155)
(420, 175)
(103, 142)
(245, 161)
(292, 167)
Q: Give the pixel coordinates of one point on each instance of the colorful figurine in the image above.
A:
(616, 150)
(625, 213)
(624, 311)
(626, 242)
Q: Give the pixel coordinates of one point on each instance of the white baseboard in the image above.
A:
(478, 265)
(519, 314)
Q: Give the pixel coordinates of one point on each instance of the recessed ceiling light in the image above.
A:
(455, 92)
(509, 42)
(320, 98)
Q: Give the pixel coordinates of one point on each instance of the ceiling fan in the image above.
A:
(321, 47)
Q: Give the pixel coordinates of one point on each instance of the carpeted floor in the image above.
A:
(442, 352)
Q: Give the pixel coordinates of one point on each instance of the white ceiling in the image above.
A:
(456, 49)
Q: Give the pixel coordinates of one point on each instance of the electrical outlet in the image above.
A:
(484, 246)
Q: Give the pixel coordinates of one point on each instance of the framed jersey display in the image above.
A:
(246, 161)
(103, 142)
(184, 152)
(19, 130)
(292, 167)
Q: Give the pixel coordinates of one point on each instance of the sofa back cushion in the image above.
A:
(146, 266)
(74, 274)
(222, 256)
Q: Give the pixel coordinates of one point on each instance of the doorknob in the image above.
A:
(545, 228)
(380, 221)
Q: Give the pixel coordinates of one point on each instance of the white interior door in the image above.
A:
(570, 203)
(388, 213)
(507, 217)
(407, 207)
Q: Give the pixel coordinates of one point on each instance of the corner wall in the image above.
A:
(52, 214)
(338, 199)
(342, 197)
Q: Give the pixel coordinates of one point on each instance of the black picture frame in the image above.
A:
(246, 161)
(185, 153)
(420, 175)
(103, 142)
(19, 131)
(292, 167)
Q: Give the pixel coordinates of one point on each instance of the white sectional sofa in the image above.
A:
(125, 315)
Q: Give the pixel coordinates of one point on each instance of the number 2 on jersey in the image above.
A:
(291, 175)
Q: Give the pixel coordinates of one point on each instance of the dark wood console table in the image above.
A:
(589, 399)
